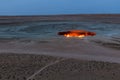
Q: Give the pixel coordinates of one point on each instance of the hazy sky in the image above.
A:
(44, 7)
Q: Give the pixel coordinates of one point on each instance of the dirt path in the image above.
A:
(39, 71)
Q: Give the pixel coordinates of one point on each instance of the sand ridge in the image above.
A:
(73, 48)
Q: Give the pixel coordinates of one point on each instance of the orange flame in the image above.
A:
(77, 33)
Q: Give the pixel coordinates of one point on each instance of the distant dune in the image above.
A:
(106, 18)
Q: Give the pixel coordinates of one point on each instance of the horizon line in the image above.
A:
(63, 14)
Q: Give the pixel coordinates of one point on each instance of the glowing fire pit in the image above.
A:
(77, 33)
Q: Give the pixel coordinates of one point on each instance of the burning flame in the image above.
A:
(73, 35)
(77, 33)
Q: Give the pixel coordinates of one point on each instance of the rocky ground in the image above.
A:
(41, 67)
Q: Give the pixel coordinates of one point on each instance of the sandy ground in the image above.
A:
(70, 47)
(58, 58)
(41, 67)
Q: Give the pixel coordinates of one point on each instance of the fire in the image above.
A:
(77, 33)
(74, 35)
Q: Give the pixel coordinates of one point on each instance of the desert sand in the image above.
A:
(61, 47)
(41, 67)
(58, 58)
(49, 59)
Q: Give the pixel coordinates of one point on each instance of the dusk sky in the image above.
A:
(48, 7)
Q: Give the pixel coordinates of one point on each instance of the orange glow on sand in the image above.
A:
(77, 33)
